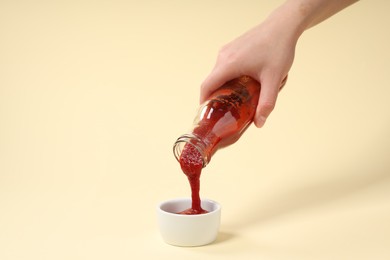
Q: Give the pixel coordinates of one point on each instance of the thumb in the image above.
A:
(267, 100)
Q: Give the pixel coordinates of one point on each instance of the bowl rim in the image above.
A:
(181, 199)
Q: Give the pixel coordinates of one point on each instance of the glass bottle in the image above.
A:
(222, 119)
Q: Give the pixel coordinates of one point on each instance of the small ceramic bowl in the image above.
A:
(188, 230)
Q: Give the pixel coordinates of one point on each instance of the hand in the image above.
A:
(265, 53)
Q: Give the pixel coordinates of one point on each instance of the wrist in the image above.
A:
(294, 19)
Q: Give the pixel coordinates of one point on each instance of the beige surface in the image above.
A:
(93, 95)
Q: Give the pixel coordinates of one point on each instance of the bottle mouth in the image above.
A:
(190, 139)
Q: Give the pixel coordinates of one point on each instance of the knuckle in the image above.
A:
(267, 106)
(227, 56)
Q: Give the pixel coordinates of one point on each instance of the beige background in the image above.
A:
(94, 93)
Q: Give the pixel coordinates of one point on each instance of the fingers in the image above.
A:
(216, 79)
(270, 87)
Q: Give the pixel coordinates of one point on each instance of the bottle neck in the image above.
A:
(190, 139)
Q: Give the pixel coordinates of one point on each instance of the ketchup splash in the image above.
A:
(191, 164)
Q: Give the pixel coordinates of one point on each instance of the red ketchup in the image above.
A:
(220, 122)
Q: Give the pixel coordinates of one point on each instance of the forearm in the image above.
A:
(300, 15)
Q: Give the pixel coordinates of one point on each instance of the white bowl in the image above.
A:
(188, 230)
